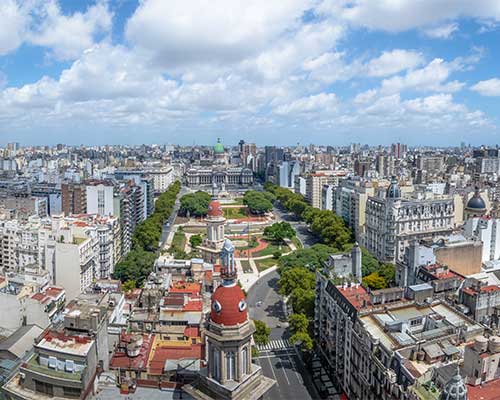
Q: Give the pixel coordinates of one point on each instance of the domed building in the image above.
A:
(394, 191)
(212, 244)
(220, 155)
(455, 388)
(476, 206)
(230, 373)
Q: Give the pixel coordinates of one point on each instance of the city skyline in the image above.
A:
(276, 73)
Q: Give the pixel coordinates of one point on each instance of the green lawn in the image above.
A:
(179, 240)
(271, 248)
(265, 263)
(235, 212)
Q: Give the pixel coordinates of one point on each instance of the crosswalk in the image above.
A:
(275, 345)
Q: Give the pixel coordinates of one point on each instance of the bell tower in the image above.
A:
(230, 373)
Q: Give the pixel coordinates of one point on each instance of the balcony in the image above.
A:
(33, 365)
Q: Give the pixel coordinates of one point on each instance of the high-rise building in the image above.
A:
(73, 198)
(99, 197)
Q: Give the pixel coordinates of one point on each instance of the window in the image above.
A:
(72, 392)
(230, 367)
(244, 361)
(52, 362)
(70, 365)
(43, 387)
(216, 358)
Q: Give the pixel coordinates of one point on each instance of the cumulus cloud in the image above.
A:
(42, 23)
(432, 77)
(69, 35)
(397, 16)
(322, 102)
(392, 62)
(490, 87)
(180, 32)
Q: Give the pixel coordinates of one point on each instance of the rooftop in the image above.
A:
(75, 345)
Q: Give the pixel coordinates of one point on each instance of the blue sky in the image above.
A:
(308, 71)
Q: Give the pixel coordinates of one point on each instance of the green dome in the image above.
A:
(219, 147)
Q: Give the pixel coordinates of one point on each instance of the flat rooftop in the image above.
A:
(75, 345)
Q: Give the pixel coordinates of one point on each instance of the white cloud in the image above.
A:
(432, 77)
(442, 31)
(14, 24)
(392, 62)
(490, 87)
(42, 23)
(401, 15)
(180, 32)
(69, 36)
(365, 97)
(435, 104)
(323, 102)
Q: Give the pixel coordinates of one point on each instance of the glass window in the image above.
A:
(230, 367)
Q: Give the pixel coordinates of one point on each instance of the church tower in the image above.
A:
(230, 373)
(212, 244)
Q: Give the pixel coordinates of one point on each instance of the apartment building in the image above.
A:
(393, 221)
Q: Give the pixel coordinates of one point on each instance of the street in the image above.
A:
(279, 359)
(167, 226)
(303, 234)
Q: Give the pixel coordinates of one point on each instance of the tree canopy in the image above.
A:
(195, 204)
(257, 202)
(262, 332)
(279, 231)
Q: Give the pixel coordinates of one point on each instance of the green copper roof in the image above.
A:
(219, 147)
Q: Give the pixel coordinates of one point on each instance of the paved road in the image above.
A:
(281, 362)
(303, 233)
(169, 223)
(271, 311)
(292, 379)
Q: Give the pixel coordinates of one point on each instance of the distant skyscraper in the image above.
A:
(398, 150)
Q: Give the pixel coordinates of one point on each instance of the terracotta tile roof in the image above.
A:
(186, 287)
(164, 353)
(192, 331)
(486, 391)
(120, 358)
(356, 296)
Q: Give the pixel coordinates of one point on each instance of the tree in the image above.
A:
(262, 332)
(195, 204)
(311, 258)
(388, 272)
(303, 301)
(374, 281)
(277, 254)
(298, 323)
(297, 277)
(303, 339)
(257, 202)
(279, 231)
(129, 286)
(195, 240)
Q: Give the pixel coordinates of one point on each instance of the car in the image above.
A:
(258, 304)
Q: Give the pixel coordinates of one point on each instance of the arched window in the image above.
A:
(216, 367)
(244, 361)
(230, 366)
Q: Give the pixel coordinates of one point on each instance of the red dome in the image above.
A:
(229, 306)
(215, 209)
